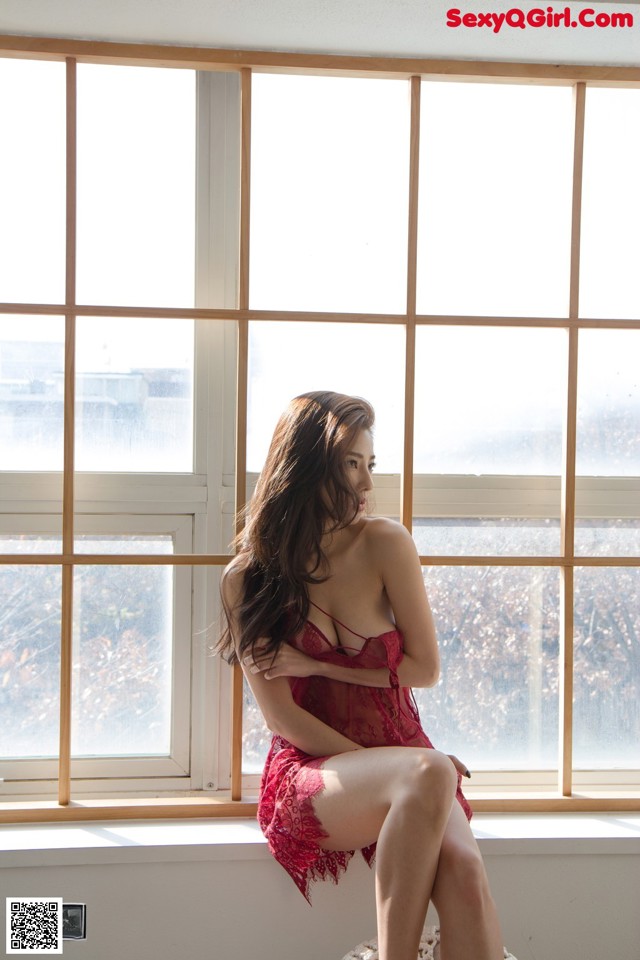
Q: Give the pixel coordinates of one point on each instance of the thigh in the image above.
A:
(358, 790)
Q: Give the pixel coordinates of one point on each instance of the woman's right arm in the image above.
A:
(281, 713)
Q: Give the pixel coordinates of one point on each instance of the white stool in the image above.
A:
(368, 950)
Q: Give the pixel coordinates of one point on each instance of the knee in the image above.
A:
(430, 779)
(437, 769)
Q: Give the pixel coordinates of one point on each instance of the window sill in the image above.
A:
(109, 842)
(222, 808)
(152, 809)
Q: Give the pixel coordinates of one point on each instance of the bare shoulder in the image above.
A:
(232, 582)
(384, 534)
(390, 546)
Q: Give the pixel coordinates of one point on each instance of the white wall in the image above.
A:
(165, 899)
(553, 908)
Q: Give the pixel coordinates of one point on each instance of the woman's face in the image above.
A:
(359, 462)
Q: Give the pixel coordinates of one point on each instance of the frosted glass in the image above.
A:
(329, 193)
(134, 395)
(607, 538)
(31, 392)
(448, 536)
(32, 181)
(256, 736)
(489, 401)
(29, 658)
(606, 710)
(495, 199)
(496, 703)
(609, 275)
(608, 437)
(136, 186)
(123, 632)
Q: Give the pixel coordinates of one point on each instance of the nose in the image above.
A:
(366, 482)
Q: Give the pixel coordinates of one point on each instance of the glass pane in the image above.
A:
(28, 543)
(286, 359)
(609, 278)
(30, 659)
(608, 538)
(329, 193)
(495, 199)
(134, 395)
(496, 703)
(123, 654)
(606, 709)
(608, 440)
(31, 392)
(256, 737)
(451, 536)
(32, 181)
(489, 401)
(136, 185)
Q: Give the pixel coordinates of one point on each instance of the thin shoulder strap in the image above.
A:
(335, 620)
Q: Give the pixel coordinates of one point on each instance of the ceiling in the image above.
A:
(359, 27)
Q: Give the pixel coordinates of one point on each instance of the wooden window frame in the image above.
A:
(565, 797)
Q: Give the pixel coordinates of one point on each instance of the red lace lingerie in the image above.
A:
(371, 716)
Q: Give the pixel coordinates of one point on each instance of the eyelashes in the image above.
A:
(354, 464)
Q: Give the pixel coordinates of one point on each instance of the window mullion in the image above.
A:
(217, 242)
(66, 627)
(568, 488)
(242, 401)
(406, 485)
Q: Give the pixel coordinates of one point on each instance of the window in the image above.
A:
(126, 696)
(417, 242)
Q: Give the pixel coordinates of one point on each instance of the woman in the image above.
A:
(328, 615)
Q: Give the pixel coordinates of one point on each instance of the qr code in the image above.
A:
(34, 925)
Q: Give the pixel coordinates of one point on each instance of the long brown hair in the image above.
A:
(302, 494)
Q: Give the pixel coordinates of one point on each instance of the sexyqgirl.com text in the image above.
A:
(517, 18)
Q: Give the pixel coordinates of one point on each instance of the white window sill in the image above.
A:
(164, 841)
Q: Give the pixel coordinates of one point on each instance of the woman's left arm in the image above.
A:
(394, 553)
(397, 557)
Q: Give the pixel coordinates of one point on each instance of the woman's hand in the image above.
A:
(459, 765)
(288, 662)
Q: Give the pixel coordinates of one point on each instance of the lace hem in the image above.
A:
(287, 817)
(288, 820)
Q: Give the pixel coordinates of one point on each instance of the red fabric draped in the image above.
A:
(370, 716)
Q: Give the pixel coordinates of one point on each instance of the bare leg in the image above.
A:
(400, 797)
(469, 928)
